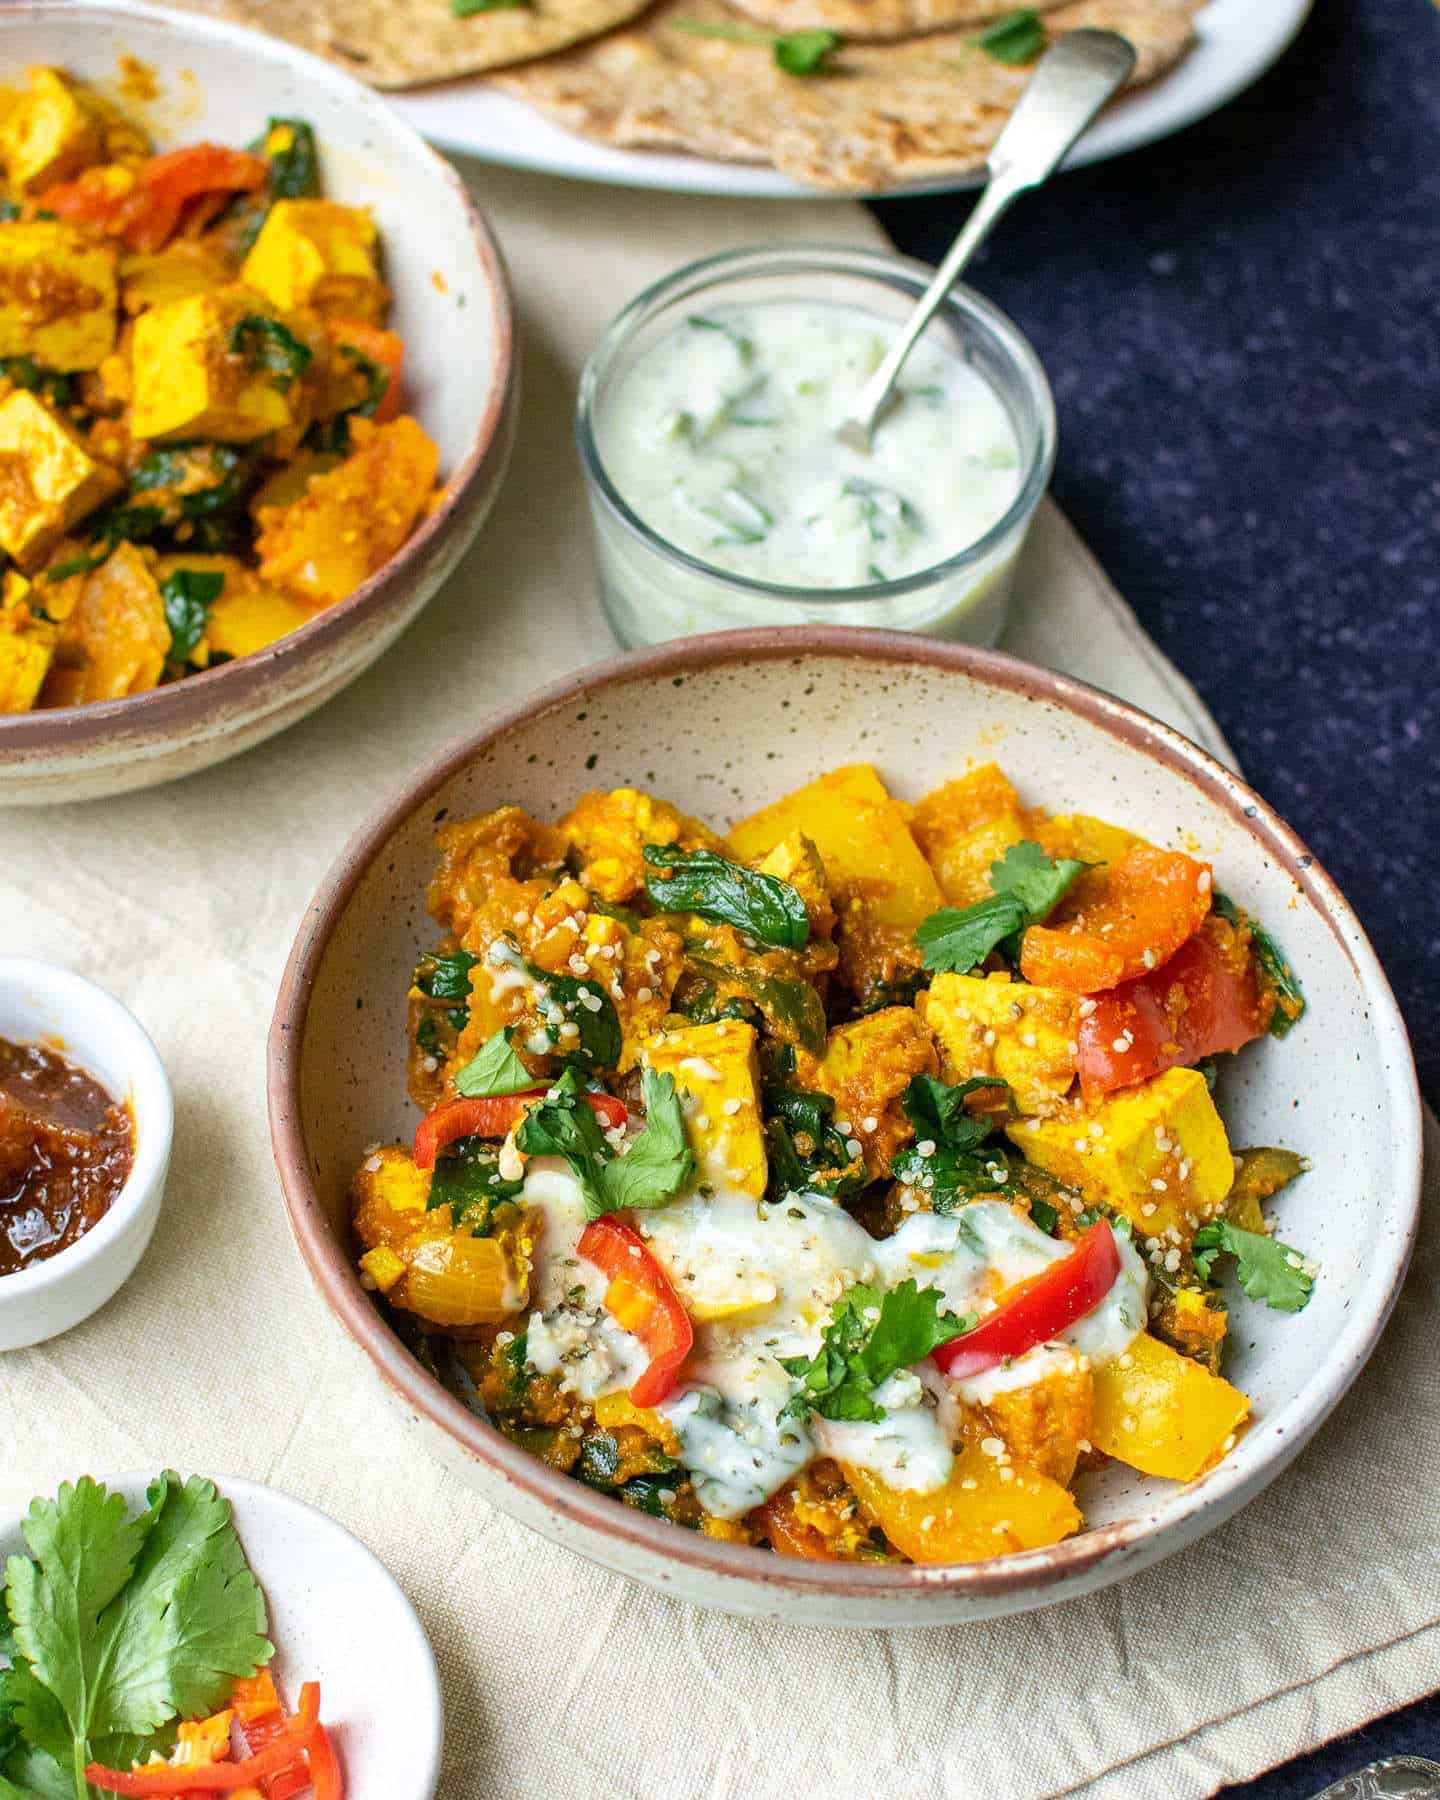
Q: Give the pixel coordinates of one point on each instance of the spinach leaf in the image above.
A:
(267, 345)
(1274, 966)
(871, 1336)
(494, 1069)
(290, 149)
(946, 1159)
(332, 436)
(50, 384)
(445, 976)
(1268, 1270)
(175, 470)
(702, 881)
(585, 1004)
(805, 1153)
(188, 595)
(467, 1179)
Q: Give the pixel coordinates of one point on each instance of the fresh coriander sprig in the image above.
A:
(658, 1165)
(871, 1336)
(796, 52)
(1026, 888)
(1268, 1270)
(494, 1069)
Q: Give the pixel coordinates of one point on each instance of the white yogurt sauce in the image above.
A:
(760, 1280)
(721, 436)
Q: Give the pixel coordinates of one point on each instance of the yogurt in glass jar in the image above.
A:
(721, 496)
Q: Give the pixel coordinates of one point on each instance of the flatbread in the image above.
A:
(402, 43)
(889, 113)
(880, 19)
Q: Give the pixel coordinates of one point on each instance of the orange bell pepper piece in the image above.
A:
(1120, 921)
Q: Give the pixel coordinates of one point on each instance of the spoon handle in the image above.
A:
(1072, 81)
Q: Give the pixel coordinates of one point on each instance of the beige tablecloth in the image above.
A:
(1317, 1608)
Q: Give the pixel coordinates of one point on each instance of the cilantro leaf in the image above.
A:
(805, 52)
(1268, 1270)
(1289, 997)
(1017, 38)
(704, 882)
(1029, 876)
(1026, 886)
(494, 1069)
(870, 1337)
(126, 1622)
(660, 1163)
(467, 9)
(562, 1125)
(188, 595)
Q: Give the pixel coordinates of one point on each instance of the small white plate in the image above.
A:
(337, 1616)
(1238, 41)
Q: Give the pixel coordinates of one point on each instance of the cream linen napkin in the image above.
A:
(1317, 1608)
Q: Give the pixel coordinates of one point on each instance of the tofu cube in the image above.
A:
(1156, 1153)
(48, 135)
(57, 295)
(48, 479)
(990, 1025)
(318, 254)
(717, 1076)
(863, 839)
(27, 645)
(190, 383)
(867, 1066)
(964, 827)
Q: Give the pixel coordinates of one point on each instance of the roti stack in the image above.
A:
(911, 93)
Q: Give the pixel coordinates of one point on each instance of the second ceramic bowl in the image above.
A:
(451, 304)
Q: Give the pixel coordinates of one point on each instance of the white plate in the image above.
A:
(337, 1616)
(1238, 41)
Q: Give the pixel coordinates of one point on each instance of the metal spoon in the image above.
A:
(1072, 81)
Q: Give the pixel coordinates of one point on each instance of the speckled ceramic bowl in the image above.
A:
(720, 725)
(451, 305)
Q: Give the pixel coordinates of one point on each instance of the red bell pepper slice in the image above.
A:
(1207, 999)
(1039, 1309)
(325, 1773)
(495, 1116)
(146, 214)
(641, 1299)
(220, 1778)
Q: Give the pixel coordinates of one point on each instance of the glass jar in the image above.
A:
(652, 589)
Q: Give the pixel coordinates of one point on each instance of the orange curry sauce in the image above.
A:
(66, 1148)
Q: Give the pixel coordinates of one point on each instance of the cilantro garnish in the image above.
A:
(1026, 887)
(494, 1069)
(870, 1337)
(1268, 1270)
(704, 882)
(659, 1164)
(796, 52)
(744, 346)
(188, 595)
(1017, 38)
(122, 1624)
(467, 9)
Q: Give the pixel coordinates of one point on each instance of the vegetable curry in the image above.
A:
(201, 437)
(851, 1184)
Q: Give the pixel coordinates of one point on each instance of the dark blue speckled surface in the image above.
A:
(1242, 326)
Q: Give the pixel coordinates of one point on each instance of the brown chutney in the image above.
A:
(66, 1150)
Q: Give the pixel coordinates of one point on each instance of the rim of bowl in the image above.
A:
(874, 265)
(152, 1107)
(239, 1490)
(1219, 1493)
(180, 702)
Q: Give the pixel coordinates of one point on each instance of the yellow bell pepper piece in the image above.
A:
(1163, 1413)
(990, 1506)
(617, 1409)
